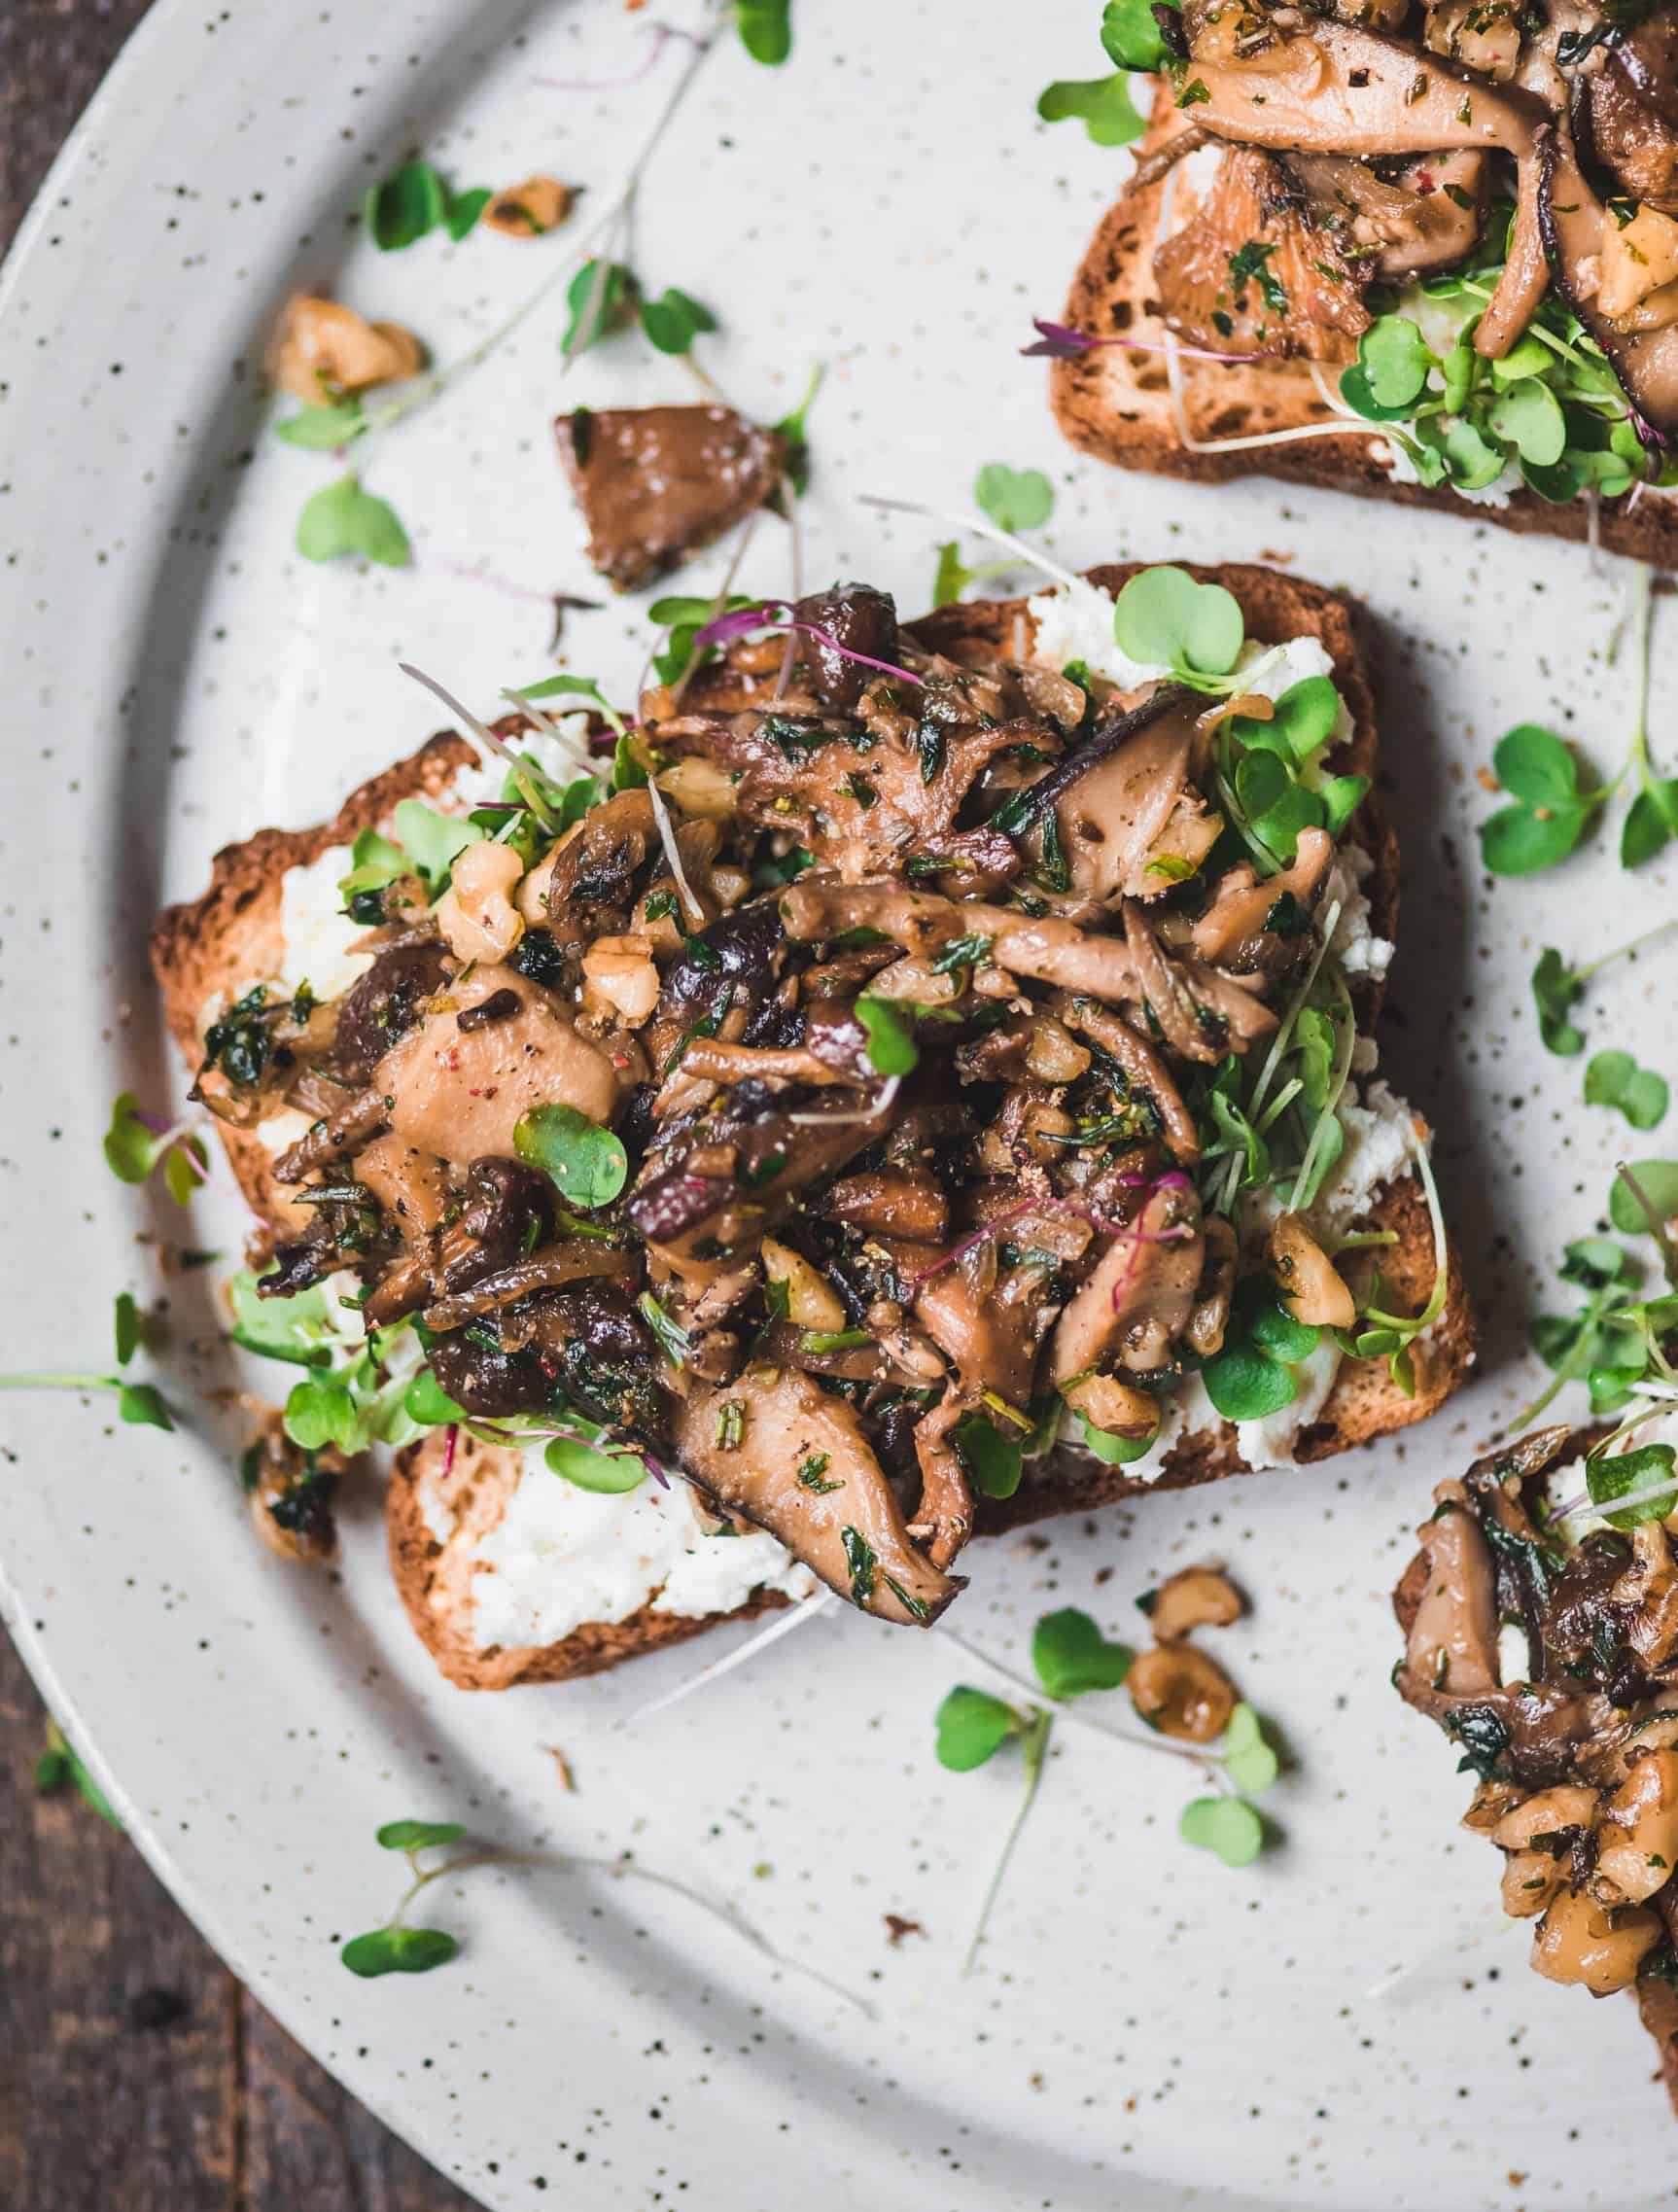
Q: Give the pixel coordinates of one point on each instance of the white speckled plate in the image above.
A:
(1145, 2026)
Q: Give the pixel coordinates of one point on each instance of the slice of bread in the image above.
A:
(1116, 402)
(435, 1566)
(215, 947)
(1365, 1403)
(209, 951)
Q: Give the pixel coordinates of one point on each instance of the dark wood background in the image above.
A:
(136, 2075)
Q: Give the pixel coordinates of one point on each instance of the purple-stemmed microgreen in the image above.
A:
(137, 1144)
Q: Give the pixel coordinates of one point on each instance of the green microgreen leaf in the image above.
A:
(1528, 416)
(1114, 1451)
(1162, 619)
(600, 297)
(1072, 1657)
(609, 1473)
(1614, 1079)
(409, 202)
(132, 1150)
(765, 28)
(891, 1048)
(342, 520)
(952, 577)
(1225, 1825)
(418, 1835)
(993, 1461)
(973, 1727)
(1395, 360)
(674, 319)
(1550, 813)
(1103, 104)
(324, 429)
(1651, 823)
(399, 1951)
(586, 1162)
(1249, 1760)
(322, 1411)
(432, 842)
(1014, 499)
(1555, 988)
(125, 1327)
(1658, 1180)
(1607, 1478)
(143, 1405)
(1131, 35)
(429, 1405)
(464, 210)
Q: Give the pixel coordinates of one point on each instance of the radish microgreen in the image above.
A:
(1162, 619)
(137, 1144)
(1072, 1659)
(61, 1766)
(674, 320)
(891, 1047)
(585, 1162)
(342, 521)
(1550, 810)
(1102, 104)
(765, 28)
(1013, 500)
(414, 201)
(1614, 1079)
(141, 1404)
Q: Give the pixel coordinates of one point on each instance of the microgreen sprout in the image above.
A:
(61, 1766)
(1614, 1079)
(136, 1144)
(1557, 985)
(397, 1947)
(414, 201)
(342, 521)
(1616, 1341)
(1014, 500)
(1072, 1658)
(140, 1403)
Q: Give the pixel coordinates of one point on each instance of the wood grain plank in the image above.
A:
(135, 2073)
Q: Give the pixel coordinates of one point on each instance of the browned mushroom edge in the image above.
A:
(1487, 174)
(924, 1001)
(1545, 1642)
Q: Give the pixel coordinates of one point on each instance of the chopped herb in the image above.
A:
(812, 1469)
(860, 1563)
(730, 1424)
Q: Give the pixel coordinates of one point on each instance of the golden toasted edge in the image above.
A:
(1364, 1405)
(219, 943)
(1115, 404)
(415, 1554)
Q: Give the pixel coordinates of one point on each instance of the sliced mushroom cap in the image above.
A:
(803, 1469)
(1235, 931)
(1425, 218)
(459, 1091)
(1140, 1294)
(1452, 1642)
(1335, 89)
(1112, 800)
(1570, 218)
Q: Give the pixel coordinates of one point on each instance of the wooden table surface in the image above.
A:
(136, 2075)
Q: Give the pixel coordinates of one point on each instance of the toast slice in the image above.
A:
(1116, 403)
(1365, 1402)
(444, 1506)
(215, 947)
(209, 951)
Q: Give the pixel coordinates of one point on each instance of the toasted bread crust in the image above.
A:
(1364, 1405)
(216, 945)
(1116, 403)
(479, 1489)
